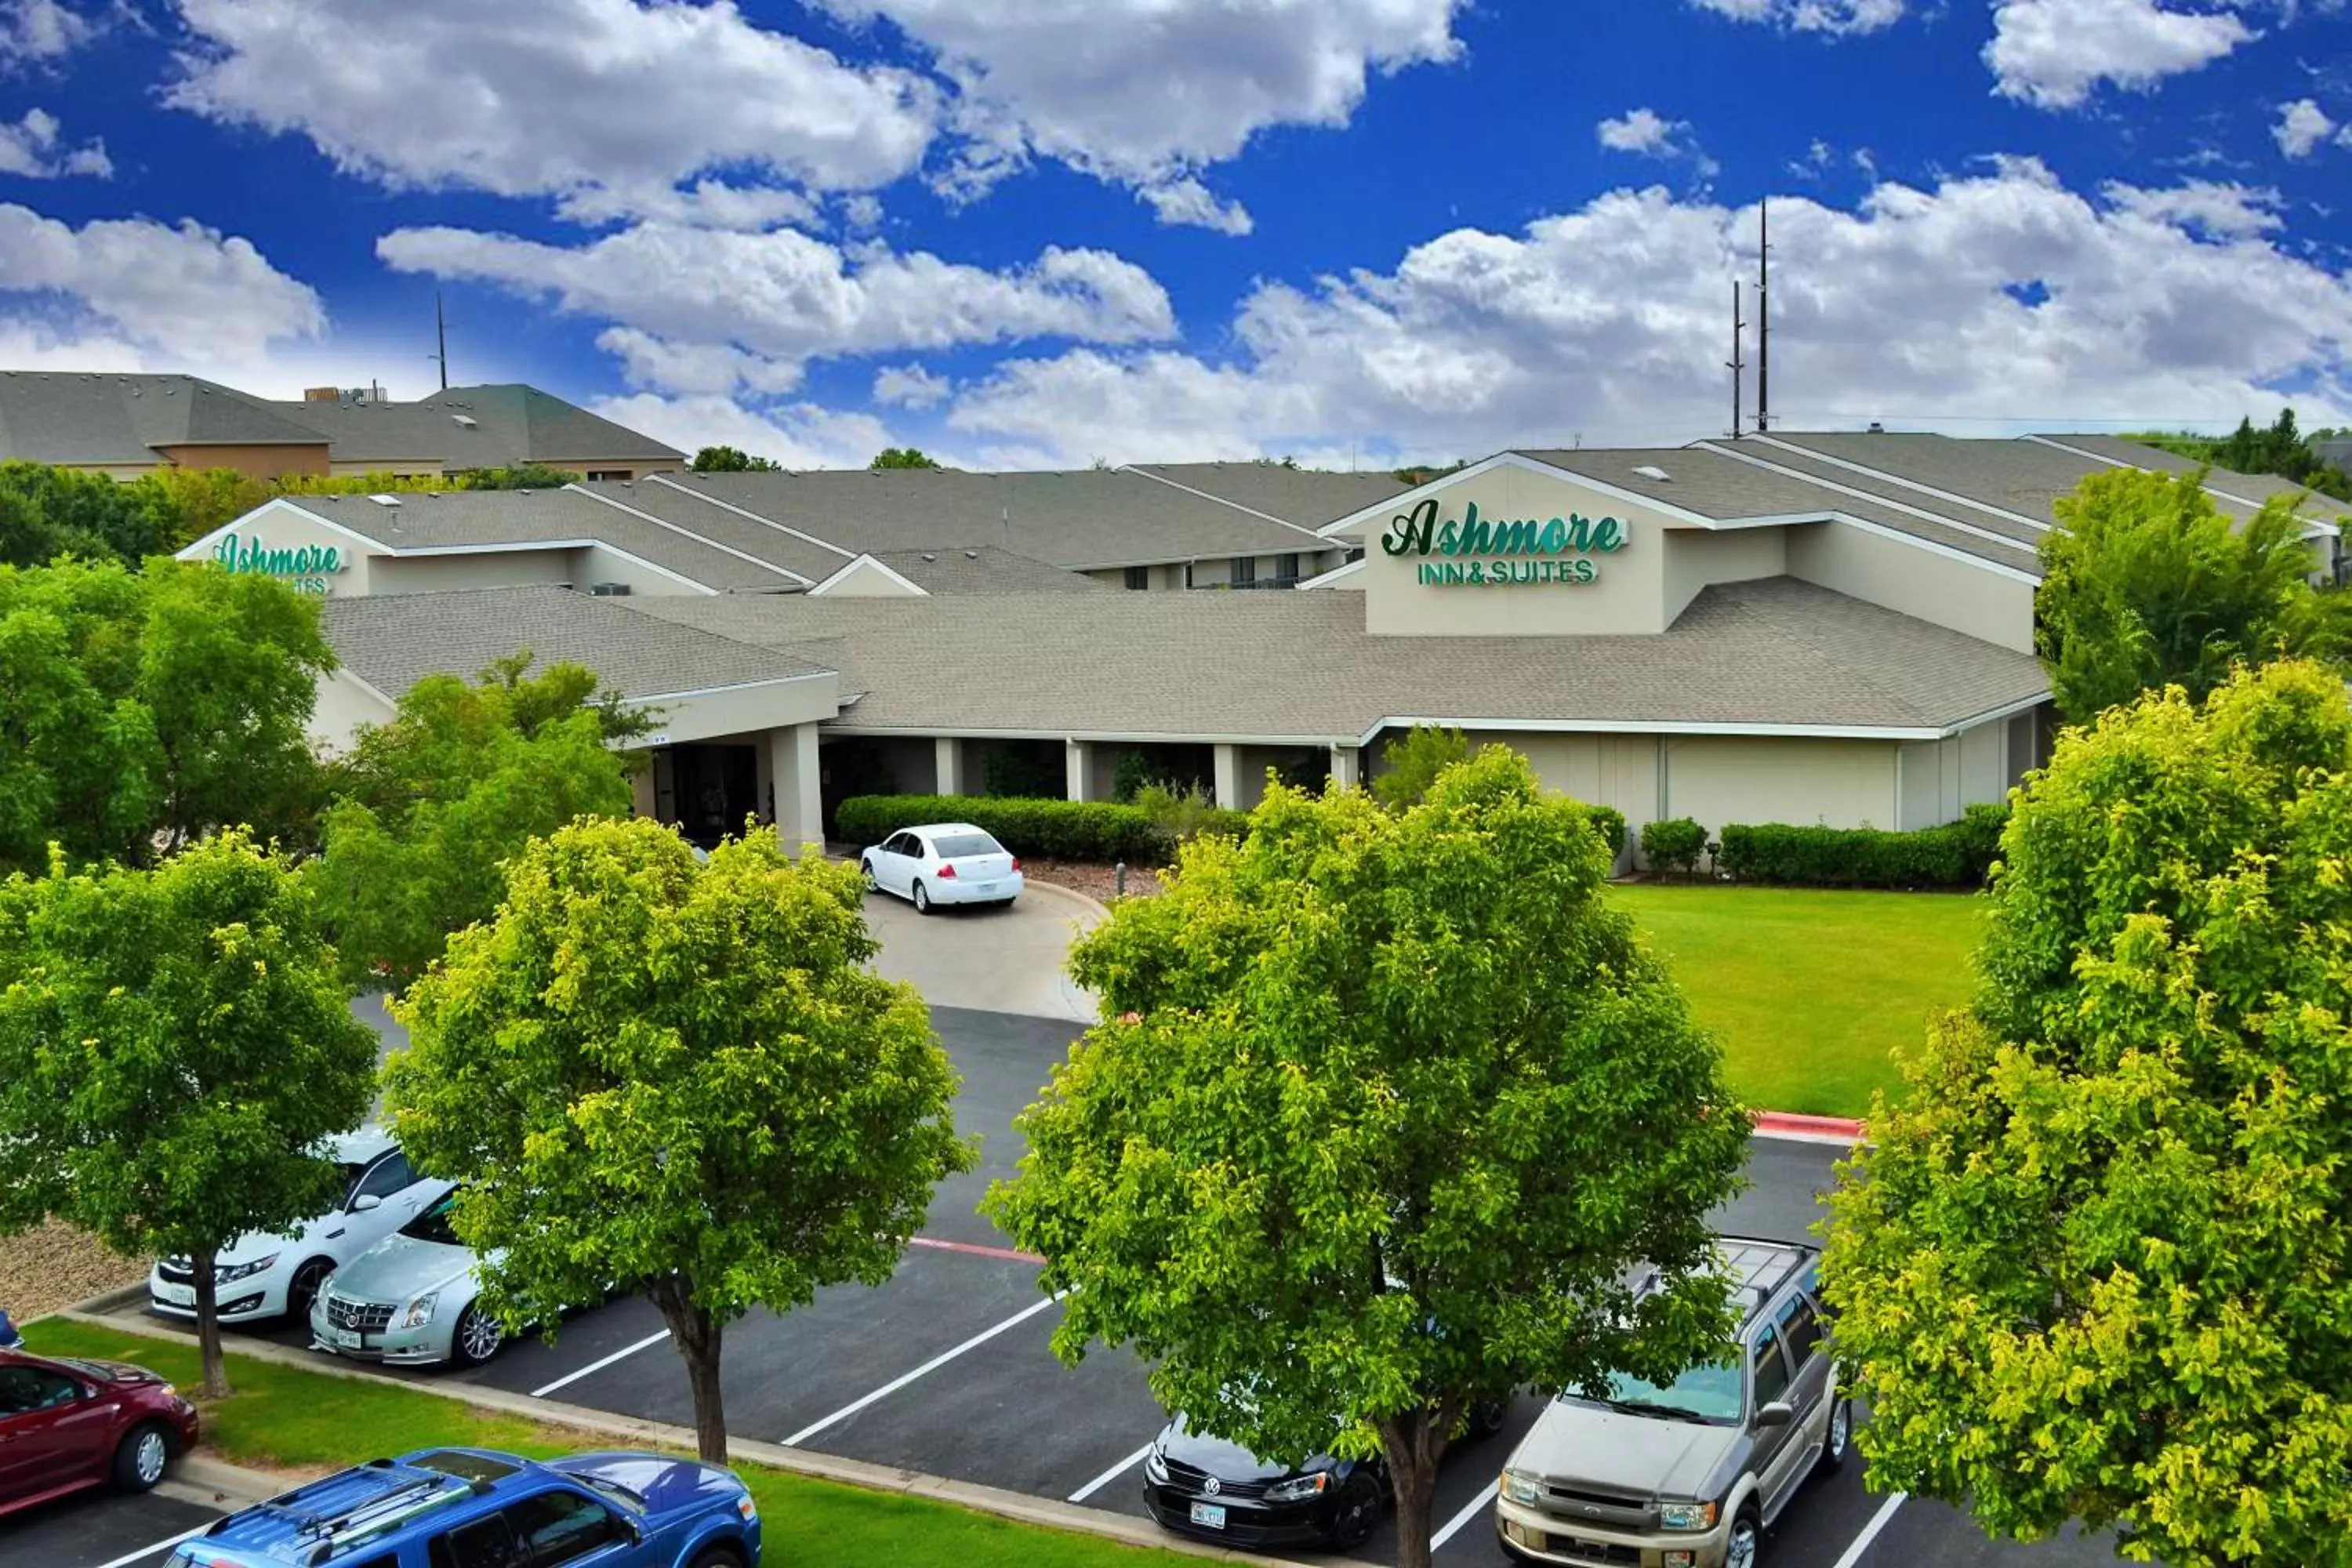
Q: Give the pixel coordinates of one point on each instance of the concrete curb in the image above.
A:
(223, 1485)
(994, 1501)
(105, 1302)
(1094, 907)
(1792, 1127)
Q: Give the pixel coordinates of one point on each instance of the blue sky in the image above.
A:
(1048, 232)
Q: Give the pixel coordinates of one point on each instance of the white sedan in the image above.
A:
(945, 863)
(261, 1276)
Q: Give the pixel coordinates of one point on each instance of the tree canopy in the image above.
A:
(680, 1077)
(902, 457)
(2149, 584)
(2095, 1265)
(730, 461)
(46, 511)
(173, 1048)
(139, 710)
(1413, 762)
(1387, 1107)
(431, 804)
(2278, 448)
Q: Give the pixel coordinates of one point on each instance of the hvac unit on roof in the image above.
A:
(609, 590)
(385, 499)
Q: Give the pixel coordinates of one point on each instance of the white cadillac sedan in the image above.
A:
(944, 863)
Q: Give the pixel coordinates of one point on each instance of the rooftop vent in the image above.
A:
(1652, 472)
(609, 590)
(927, 556)
(467, 420)
(1876, 428)
(972, 556)
(385, 499)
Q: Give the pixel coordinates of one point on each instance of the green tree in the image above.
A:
(1391, 1105)
(174, 1049)
(47, 512)
(137, 711)
(730, 461)
(678, 1077)
(2148, 585)
(902, 457)
(1413, 760)
(2095, 1265)
(431, 804)
(182, 505)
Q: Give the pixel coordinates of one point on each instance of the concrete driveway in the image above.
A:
(988, 959)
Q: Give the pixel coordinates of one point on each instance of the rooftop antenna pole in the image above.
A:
(441, 340)
(1738, 336)
(1763, 315)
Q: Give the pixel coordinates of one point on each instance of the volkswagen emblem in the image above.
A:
(1212, 1486)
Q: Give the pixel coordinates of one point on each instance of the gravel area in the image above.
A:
(57, 1266)
(1097, 881)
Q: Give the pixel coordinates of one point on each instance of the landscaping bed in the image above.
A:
(54, 1265)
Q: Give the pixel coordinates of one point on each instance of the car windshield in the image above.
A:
(956, 846)
(432, 1225)
(631, 1500)
(1706, 1392)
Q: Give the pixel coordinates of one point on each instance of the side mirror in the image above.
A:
(364, 1202)
(1778, 1413)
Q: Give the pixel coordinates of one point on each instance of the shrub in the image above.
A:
(1185, 814)
(1609, 822)
(1956, 855)
(1060, 829)
(1413, 760)
(1674, 844)
(1129, 774)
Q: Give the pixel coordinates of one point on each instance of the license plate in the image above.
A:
(176, 1295)
(348, 1339)
(988, 887)
(1209, 1514)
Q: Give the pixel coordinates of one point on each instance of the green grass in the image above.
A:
(285, 1418)
(1810, 992)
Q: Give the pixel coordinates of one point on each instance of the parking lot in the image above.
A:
(947, 1370)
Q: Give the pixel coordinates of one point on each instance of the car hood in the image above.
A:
(400, 1266)
(257, 1244)
(1640, 1456)
(668, 1486)
(121, 1372)
(1226, 1461)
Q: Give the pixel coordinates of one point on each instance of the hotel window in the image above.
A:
(621, 474)
(1244, 574)
(1139, 578)
(1285, 568)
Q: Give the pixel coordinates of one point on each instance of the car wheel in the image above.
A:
(922, 901)
(1746, 1541)
(719, 1557)
(1356, 1511)
(304, 1287)
(1486, 1420)
(477, 1337)
(1840, 1437)
(140, 1458)
(866, 869)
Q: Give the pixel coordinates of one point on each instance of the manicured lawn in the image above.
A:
(1809, 992)
(283, 1418)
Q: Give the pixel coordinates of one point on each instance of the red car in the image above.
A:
(65, 1424)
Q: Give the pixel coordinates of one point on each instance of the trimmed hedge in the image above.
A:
(1609, 822)
(1957, 855)
(1058, 829)
(1674, 844)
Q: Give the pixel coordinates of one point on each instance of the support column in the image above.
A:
(1346, 766)
(1078, 769)
(947, 765)
(1229, 776)
(791, 755)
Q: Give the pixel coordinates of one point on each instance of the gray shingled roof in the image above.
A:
(425, 520)
(394, 641)
(1089, 519)
(404, 433)
(1309, 498)
(544, 428)
(77, 419)
(984, 569)
(2254, 487)
(2025, 534)
(2025, 477)
(701, 516)
(1776, 652)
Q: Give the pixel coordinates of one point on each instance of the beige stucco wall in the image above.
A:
(342, 706)
(260, 462)
(596, 564)
(743, 713)
(1720, 779)
(1628, 595)
(1943, 592)
(1696, 557)
(279, 525)
(472, 569)
(866, 579)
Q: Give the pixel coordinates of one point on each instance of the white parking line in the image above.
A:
(932, 1366)
(1870, 1532)
(1454, 1526)
(164, 1545)
(1110, 1475)
(625, 1352)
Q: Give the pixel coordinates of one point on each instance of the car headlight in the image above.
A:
(420, 1311)
(225, 1274)
(1298, 1488)
(1155, 1465)
(1520, 1487)
(1686, 1516)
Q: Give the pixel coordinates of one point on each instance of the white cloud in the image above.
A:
(690, 367)
(787, 297)
(32, 148)
(798, 435)
(1148, 91)
(708, 204)
(1608, 320)
(909, 386)
(1833, 16)
(1644, 130)
(184, 293)
(1187, 201)
(607, 103)
(2054, 53)
(40, 30)
(861, 214)
(2302, 125)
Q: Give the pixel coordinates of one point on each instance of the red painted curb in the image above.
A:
(973, 1249)
(1788, 1122)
